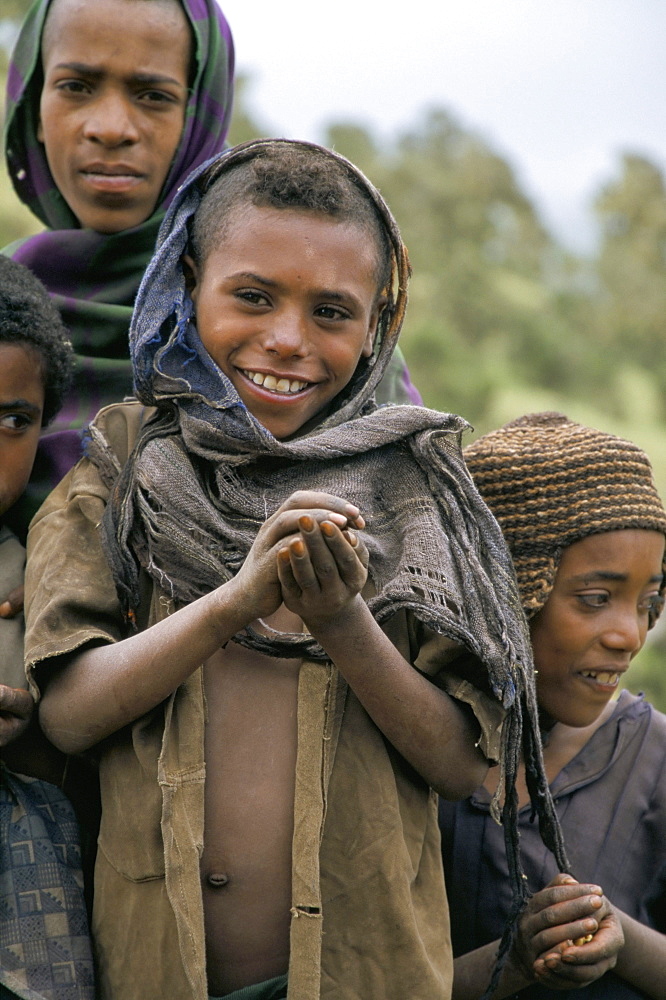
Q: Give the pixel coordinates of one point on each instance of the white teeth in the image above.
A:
(274, 384)
(602, 676)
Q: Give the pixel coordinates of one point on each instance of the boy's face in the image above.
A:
(286, 304)
(21, 408)
(595, 621)
(113, 105)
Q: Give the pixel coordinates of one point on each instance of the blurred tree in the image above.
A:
(244, 126)
(488, 279)
(15, 10)
(631, 313)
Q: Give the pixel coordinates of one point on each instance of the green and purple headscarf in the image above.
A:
(94, 277)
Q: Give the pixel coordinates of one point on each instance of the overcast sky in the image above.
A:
(559, 87)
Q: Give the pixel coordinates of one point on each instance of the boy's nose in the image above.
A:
(287, 336)
(110, 121)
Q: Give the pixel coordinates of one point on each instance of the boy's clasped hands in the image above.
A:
(308, 556)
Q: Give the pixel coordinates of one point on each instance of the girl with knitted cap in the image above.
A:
(585, 527)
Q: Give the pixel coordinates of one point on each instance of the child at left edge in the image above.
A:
(281, 615)
(44, 941)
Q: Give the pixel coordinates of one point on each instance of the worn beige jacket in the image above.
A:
(369, 911)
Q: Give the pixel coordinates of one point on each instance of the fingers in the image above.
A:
(555, 917)
(16, 701)
(13, 603)
(16, 707)
(320, 506)
(306, 500)
(322, 564)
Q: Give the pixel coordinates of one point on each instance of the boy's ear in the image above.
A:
(369, 342)
(191, 272)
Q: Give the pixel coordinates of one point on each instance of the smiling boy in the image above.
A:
(263, 558)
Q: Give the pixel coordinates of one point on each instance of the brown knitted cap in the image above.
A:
(550, 482)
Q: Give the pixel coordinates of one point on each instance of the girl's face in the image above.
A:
(595, 621)
(113, 105)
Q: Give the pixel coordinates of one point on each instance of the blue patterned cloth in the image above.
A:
(45, 950)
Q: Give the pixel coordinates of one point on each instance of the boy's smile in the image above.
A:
(21, 408)
(113, 105)
(286, 304)
(595, 621)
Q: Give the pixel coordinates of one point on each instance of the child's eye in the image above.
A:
(331, 313)
(252, 296)
(73, 86)
(652, 605)
(594, 599)
(158, 97)
(16, 421)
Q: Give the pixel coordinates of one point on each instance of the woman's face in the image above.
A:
(595, 621)
(113, 105)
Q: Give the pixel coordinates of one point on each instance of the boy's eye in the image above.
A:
(16, 421)
(73, 86)
(158, 97)
(252, 296)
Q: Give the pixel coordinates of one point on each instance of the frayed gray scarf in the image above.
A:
(205, 474)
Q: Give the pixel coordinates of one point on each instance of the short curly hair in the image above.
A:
(28, 316)
(291, 176)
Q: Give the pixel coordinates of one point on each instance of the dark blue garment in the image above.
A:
(611, 801)
(45, 949)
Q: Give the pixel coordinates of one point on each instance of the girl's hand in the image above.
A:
(322, 569)
(258, 583)
(563, 913)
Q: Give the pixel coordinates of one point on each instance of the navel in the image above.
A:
(217, 880)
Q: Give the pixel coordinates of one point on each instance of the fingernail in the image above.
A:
(5, 609)
(306, 522)
(297, 547)
(352, 508)
(327, 528)
(283, 555)
(352, 539)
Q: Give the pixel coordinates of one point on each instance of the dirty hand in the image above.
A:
(322, 568)
(12, 605)
(16, 707)
(562, 913)
(258, 582)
